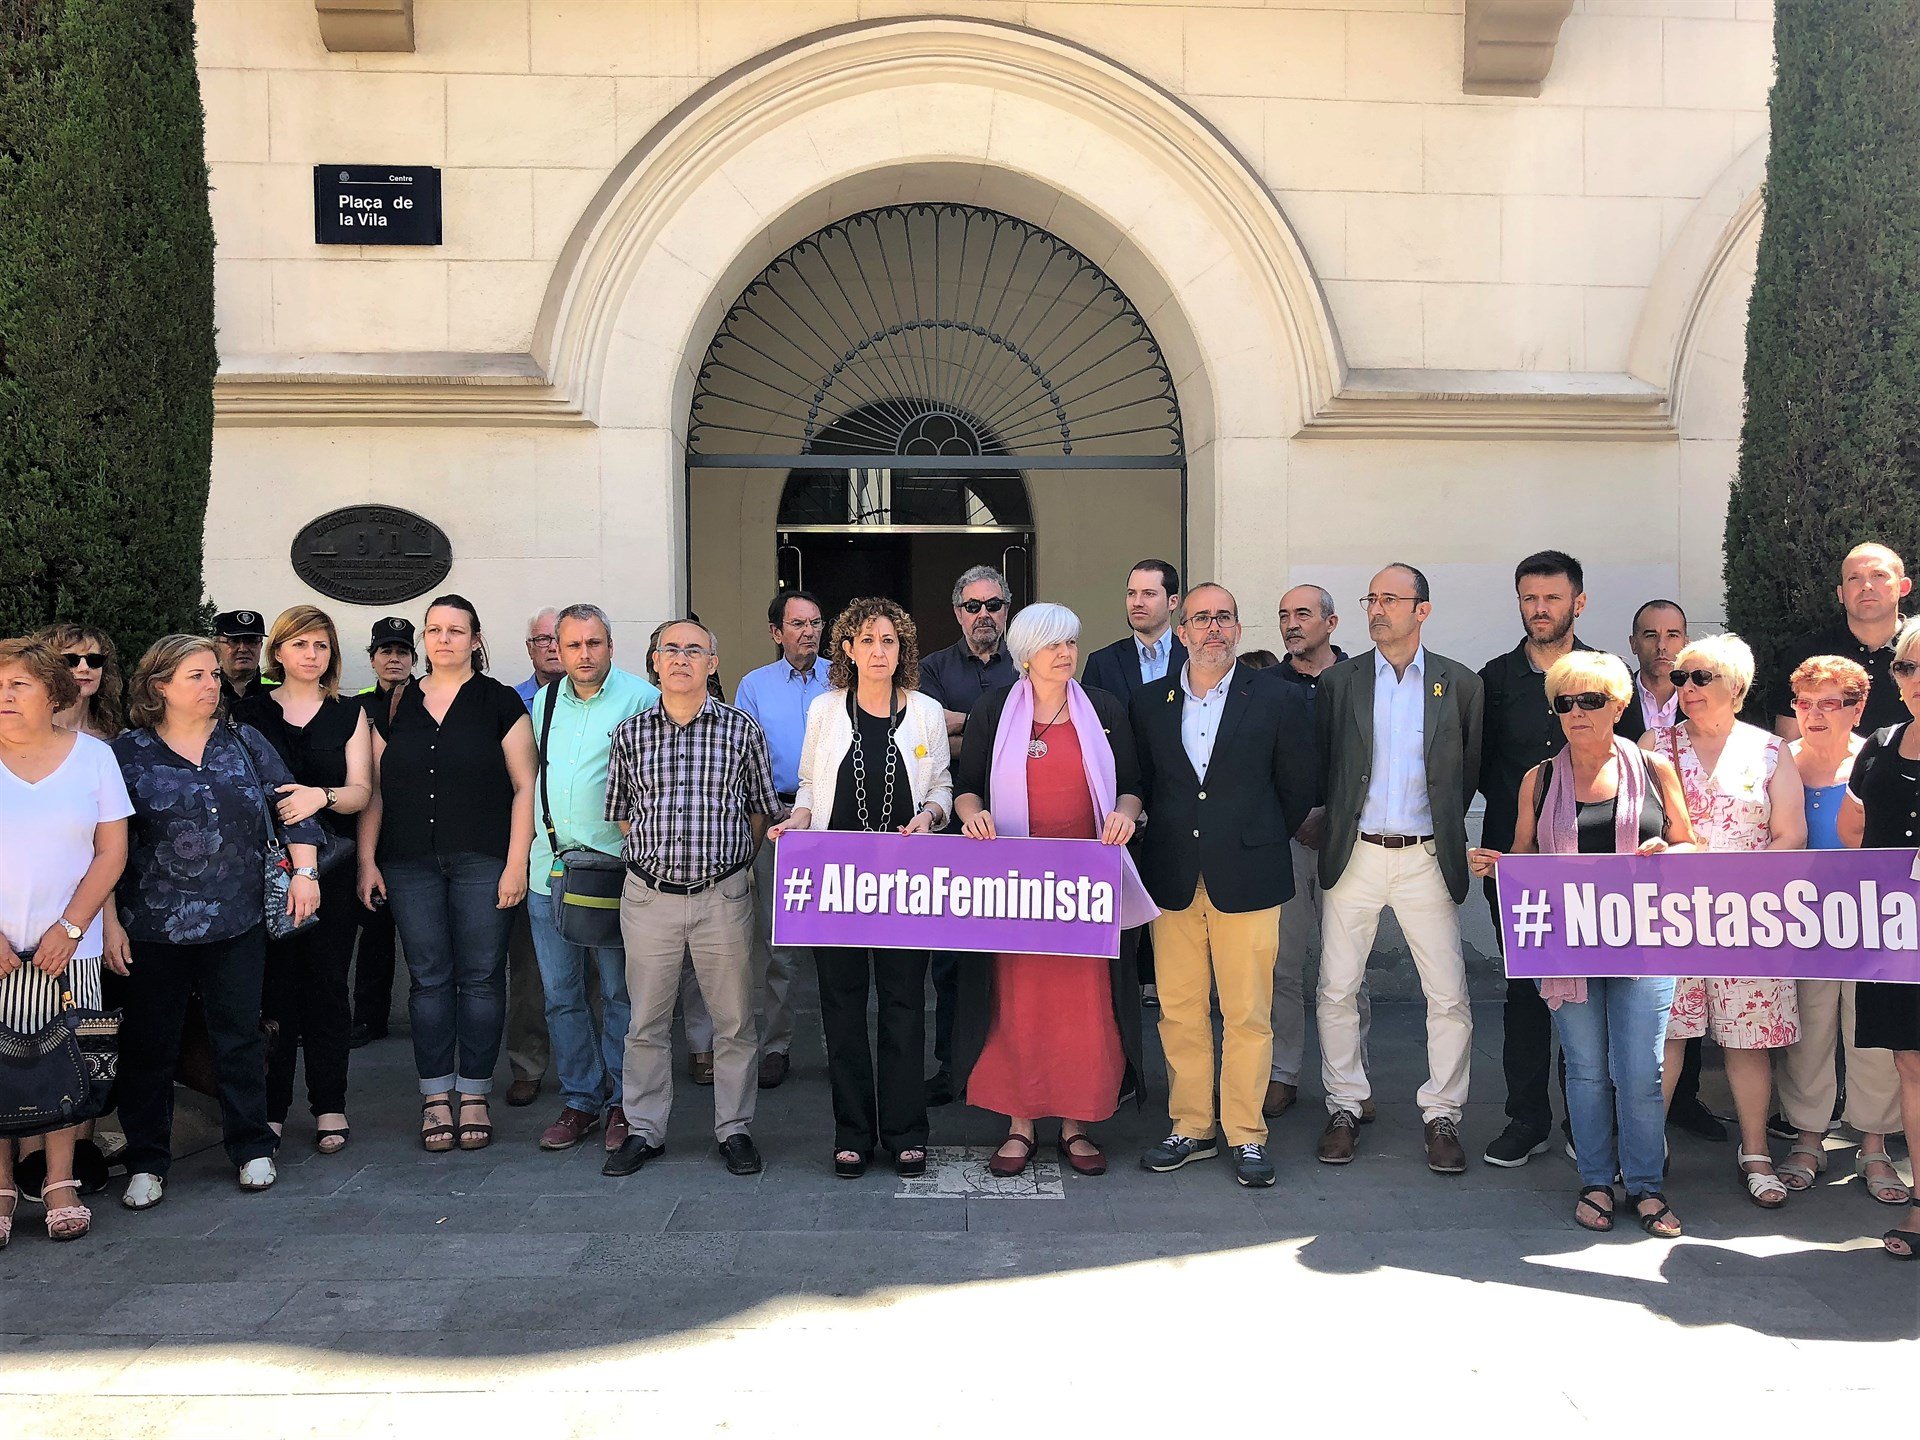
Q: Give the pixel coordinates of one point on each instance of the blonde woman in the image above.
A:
(875, 758)
(1742, 793)
(327, 744)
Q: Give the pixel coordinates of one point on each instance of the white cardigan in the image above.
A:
(921, 741)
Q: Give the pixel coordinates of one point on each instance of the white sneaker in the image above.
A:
(143, 1191)
(258, 1174)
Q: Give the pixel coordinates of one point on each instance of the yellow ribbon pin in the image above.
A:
(1438, 690)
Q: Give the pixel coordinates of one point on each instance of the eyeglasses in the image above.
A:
(1208, 620)
(1702, 678)
(1586, 700)
(992, 607)
(685, 652)
(1385, 602)
(1826, 705)
(1903, 669)
(542, 639)
(92, 662)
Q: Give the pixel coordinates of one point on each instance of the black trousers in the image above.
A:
(1526, 1045)
(945, 969)
(227, 975)
(373, 967)
(306, 997)
(889, 1106)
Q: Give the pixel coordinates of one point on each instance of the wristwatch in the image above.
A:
(74, 932)
(331, 794)
(305, 872)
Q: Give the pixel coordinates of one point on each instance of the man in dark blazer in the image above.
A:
(1400, 731)
(1228, 772)
(1151, 650)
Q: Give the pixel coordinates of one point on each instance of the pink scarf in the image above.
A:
(1010, 816)
(1559, 833)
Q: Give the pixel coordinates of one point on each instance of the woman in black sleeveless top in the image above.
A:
(1613, 1030)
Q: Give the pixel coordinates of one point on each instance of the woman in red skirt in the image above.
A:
(1050, 1035)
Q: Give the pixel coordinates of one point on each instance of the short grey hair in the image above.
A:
(1037, 627)
(533, 620)
(1907, 639)
(1326, 598)
(1728, 654)
(584, 612)
(974, 576)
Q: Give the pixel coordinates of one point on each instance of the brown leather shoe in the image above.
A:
(1367, 1111)
(1337, 1140)
(617, 1128)
(522, 1092)
(1280, 1098)
(569, 1130)
(1445, 1154)
(773, 1069)
(700, 1067)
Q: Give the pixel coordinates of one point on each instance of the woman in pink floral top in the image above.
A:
(1741, 797)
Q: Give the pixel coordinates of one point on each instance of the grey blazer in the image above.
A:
(1452, 718)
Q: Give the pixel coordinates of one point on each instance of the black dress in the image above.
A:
(1887, 1016)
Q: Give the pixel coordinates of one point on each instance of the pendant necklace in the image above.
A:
(1037, 746)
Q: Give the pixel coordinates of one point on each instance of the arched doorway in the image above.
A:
(930, 387)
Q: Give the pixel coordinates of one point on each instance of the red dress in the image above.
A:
(1053, 1046)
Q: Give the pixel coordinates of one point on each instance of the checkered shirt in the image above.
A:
(685, 791)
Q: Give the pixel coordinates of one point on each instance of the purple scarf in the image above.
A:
(1009, 782)
(1559, 832)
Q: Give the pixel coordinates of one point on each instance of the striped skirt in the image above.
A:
(29, 1000)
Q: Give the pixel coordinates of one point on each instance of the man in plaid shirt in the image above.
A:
(690, 784)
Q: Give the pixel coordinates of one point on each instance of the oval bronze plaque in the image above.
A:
(372, 554)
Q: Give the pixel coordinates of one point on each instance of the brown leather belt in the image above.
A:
(1395, 842)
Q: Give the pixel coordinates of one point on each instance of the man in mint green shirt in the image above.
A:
(587, 702)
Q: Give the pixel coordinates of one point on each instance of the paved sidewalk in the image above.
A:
(510, 1292)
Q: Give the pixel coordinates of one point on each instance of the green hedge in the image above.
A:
(1830, 452)
(106, 317)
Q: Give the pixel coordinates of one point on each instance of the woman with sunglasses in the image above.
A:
(1603, 795)
(95, 664)
(1741, 798)
(1883, 796)
(1829, 694)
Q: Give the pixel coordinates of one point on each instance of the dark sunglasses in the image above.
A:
(92, 662)
(1586, 700)
(992, 607)
(1702, 678)
(1904, 668)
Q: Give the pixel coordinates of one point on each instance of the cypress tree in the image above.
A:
(1830, 451)
(106, 317)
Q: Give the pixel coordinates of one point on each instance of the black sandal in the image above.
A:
(910, 1163)
(850, 1169)
(1604, 1222)
(1662, 1224)
(485, 1132)
(437, 1139)
(320, 1138)
(1908, 1238)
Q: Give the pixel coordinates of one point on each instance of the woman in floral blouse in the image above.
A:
(190, 904)
(1740, 797)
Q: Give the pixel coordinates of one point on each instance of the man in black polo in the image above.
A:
(237, 636)
(1873, 582)
(957, 677)
(390, 651)
(1521, 732)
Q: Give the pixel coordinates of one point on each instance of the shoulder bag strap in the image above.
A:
(275, 840)
(546, 729)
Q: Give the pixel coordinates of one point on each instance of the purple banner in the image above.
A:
(1772, 915)
(946, 892)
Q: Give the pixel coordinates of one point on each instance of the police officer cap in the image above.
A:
(391, 630)
(239, 625)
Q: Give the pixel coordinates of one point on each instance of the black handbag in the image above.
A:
(583, 884)
(276, 864)
(61, 1074)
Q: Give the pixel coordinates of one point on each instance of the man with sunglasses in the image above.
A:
(1873, 582)
(1400, 731)
(957, 677)
(237, 637)
(1521, 731)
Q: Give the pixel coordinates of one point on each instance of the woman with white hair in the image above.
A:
(1042, 1035)
(1740, 797)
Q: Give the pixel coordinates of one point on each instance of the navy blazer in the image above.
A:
(1233, 828)
(1115, 668)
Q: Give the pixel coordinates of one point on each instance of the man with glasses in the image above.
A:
(543, 650)
(1228, 772)
(528, 1047)
(1400, 731)
(691, 787)
(777, 697)
(237, 637)
(1521, 731)
(1873, 582)
(957, 677)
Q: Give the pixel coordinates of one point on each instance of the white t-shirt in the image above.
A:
(46, 840)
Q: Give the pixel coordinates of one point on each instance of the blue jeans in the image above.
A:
(1614, 1044)
(589, 1073)
(455, 935)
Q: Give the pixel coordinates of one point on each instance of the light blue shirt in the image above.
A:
(1200, 719)
(578, 748)
(777, 696)
(1397, 802)
(1153, 658)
